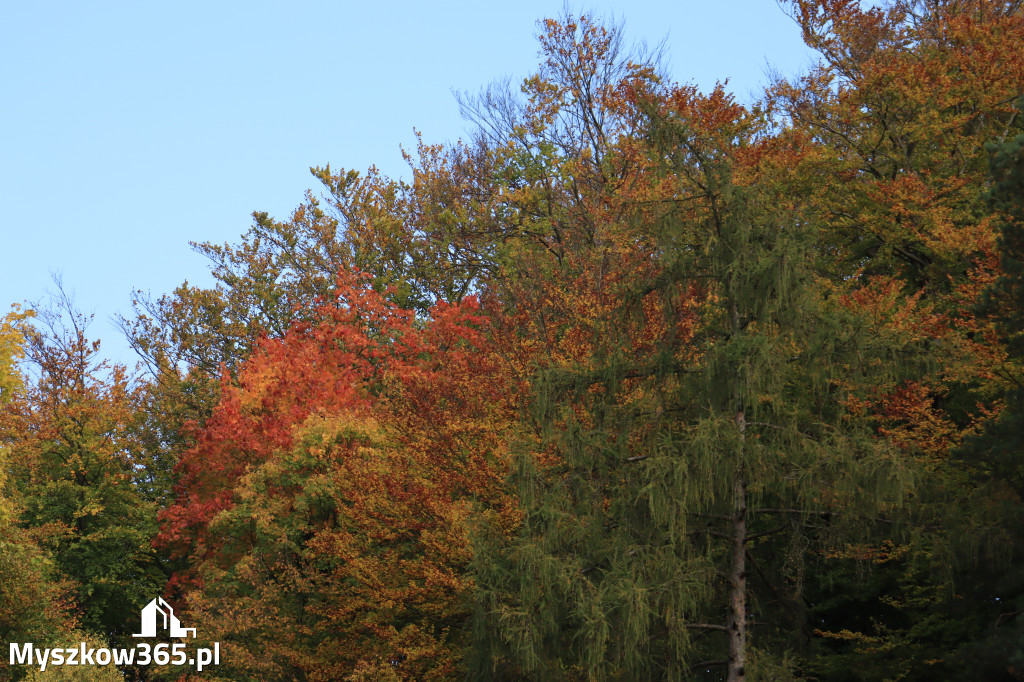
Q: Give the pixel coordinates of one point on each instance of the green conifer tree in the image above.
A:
(673, 488)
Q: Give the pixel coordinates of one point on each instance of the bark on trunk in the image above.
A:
(738, 569)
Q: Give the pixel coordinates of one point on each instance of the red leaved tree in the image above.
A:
(325, 507)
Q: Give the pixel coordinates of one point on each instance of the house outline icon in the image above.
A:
(159, 610)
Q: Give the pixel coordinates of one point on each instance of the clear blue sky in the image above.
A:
(128, 129)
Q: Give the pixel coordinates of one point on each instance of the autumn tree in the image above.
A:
(414, 240)
(324, 508)
(900, 107)
(995, 456)
(561, 142)
(35, 601)
(12, 350)
(999, 449)
(73, 466)
(903, 100)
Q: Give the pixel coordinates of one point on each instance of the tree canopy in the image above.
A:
(637, 383)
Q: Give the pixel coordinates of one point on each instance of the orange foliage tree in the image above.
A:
(324, 508)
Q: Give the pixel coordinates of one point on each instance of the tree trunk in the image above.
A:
(738, 569)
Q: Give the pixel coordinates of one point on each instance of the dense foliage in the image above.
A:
(637, 384)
